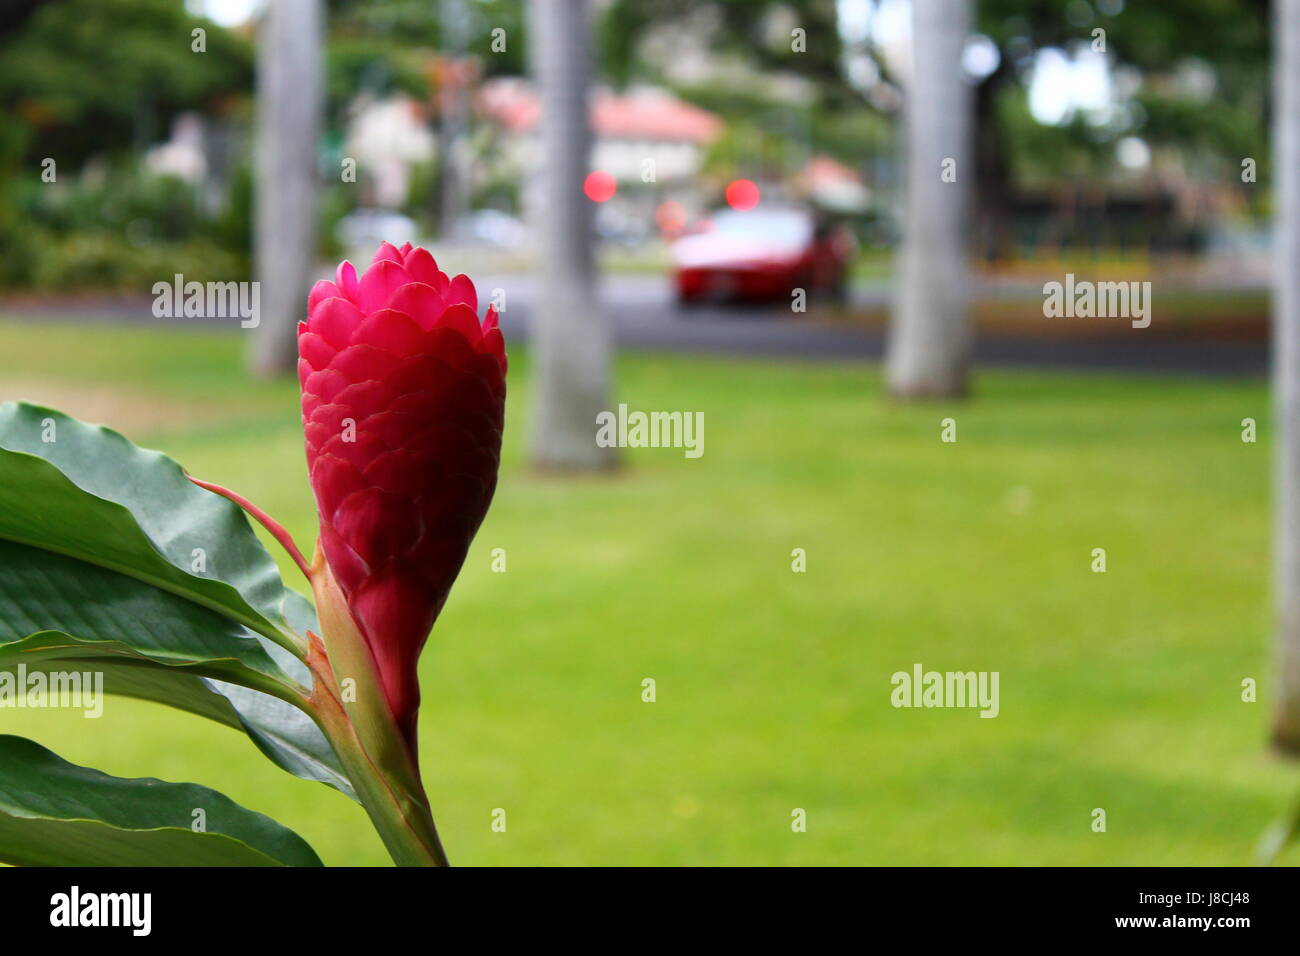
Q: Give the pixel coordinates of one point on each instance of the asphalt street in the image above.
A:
(644, 316)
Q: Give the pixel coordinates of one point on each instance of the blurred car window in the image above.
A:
(787, 225)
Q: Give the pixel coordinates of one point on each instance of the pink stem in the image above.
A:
(270, 524)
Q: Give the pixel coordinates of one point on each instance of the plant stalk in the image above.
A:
(355, 716)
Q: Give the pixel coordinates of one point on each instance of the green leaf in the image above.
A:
(54, 813)
(41, 590)
(284, 733)
(85, 492)
(96, 539)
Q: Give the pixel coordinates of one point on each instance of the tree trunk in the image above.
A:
(930, 335)
(453, 149)
(991, 204)
(455, 74)
(289, 107)
(1286, 371)
(569, 336)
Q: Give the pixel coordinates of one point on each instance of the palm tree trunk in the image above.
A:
(929, 341)
(1286, 371)
(289, 107)
(569, 336)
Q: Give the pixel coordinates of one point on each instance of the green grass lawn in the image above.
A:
(1119, 690)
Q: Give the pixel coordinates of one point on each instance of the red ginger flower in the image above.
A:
(403, 401)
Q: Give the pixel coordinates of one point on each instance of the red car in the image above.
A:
(761, 255)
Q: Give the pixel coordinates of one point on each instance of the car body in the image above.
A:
(761, 255)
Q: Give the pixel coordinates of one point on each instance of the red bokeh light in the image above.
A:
(742, 194)
(670, 217)
(599, 186)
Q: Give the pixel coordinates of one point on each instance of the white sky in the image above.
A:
(228, 13)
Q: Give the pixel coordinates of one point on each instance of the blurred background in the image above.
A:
(744, 209)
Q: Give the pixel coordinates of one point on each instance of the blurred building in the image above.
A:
(831, 185)
(387, 138)
(649, 140)
(183, 155)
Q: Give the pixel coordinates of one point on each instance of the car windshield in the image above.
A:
(785, 225)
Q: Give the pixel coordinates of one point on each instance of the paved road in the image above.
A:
(644, 316)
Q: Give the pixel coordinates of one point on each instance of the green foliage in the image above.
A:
(232, 226)
(386, 45)
(763, 136)
(123, 201)
(88, 77)
(1230, 37)
(54, 813)
(379, 67)
(753, 29)
(122, 229)
(90, 83)
(116, 568)
(111, 558)
(86, 493)
(101, 262)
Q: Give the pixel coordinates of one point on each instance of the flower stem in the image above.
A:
(270, 524)
(388, 786)
(360, 726)
(364, 732)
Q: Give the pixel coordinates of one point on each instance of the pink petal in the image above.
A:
(360, 449)
(420, 302)
(315, 350)
(422, 267)
(387, 253)
(463, 319)
(327, 421)
(346, 279)
(348, 567)
(326, 383)
(396, 472)
(363, 399)
(333, 479)
(493, 344)
(462, 290)
(489, 368)
(449, 345)
(334, 320)
(393, 428)
(365, 363)
(390, 329)
(324, 289)
(379, 283)
(376, 524)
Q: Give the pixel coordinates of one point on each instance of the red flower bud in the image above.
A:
(403, 401)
